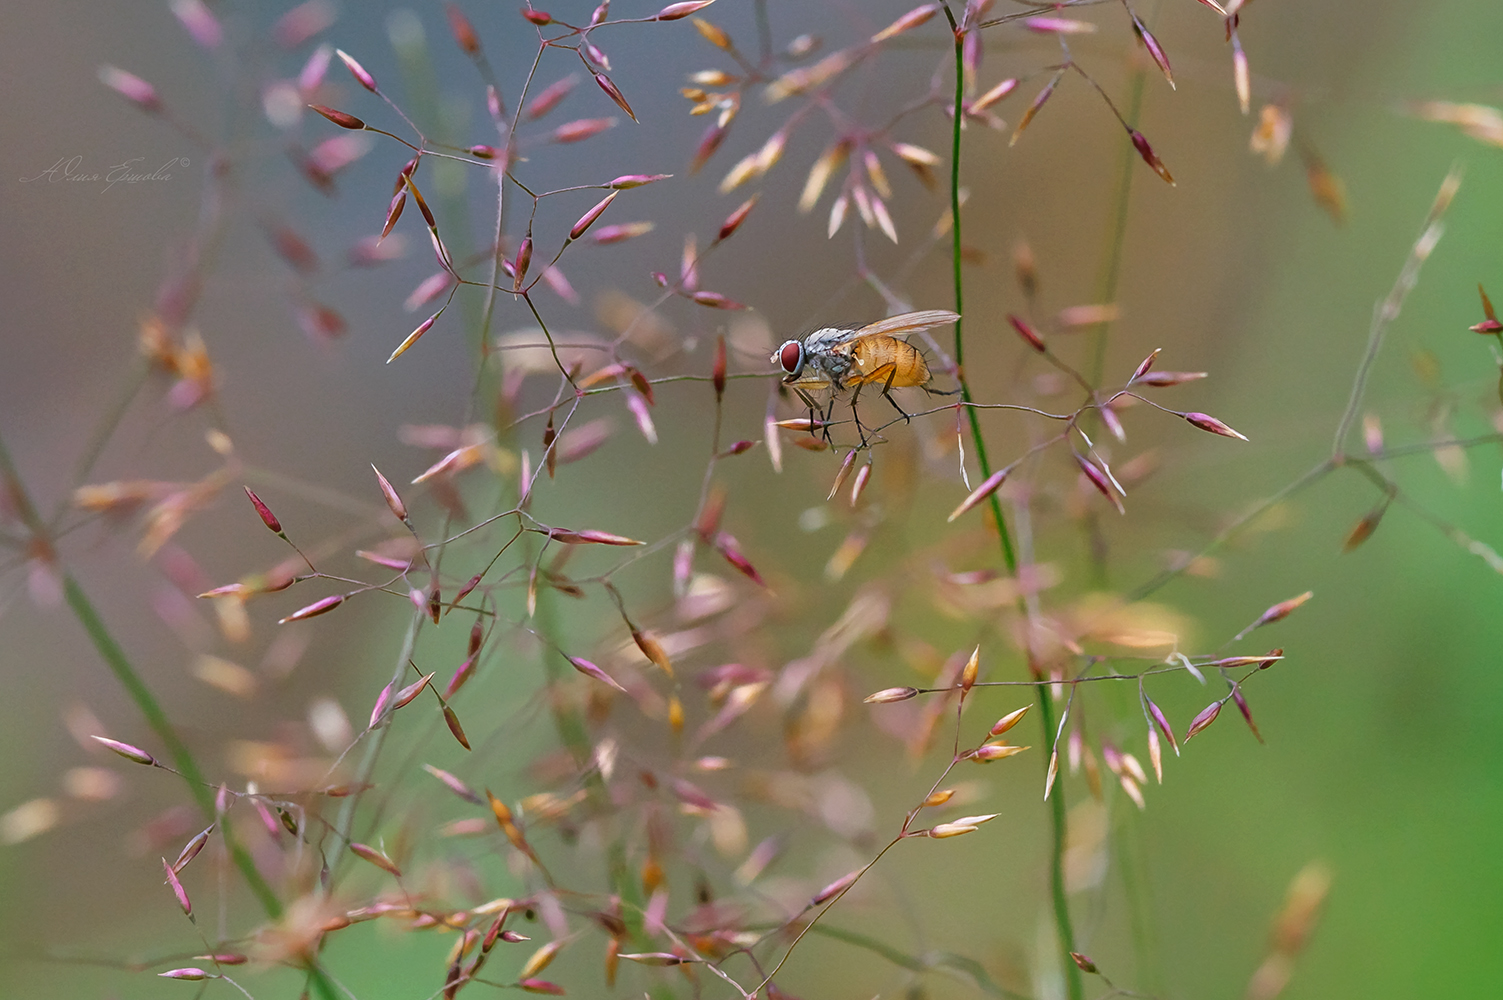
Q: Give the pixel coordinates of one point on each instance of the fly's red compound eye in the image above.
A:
(791, 357)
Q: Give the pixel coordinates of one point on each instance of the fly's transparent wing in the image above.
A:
(904, 324)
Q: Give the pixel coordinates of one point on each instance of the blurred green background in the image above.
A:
(1383, 748)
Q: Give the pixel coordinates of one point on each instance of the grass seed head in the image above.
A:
(614, 93)
(358, 71)
(1205, 718)
(377, 858)
(319, 607)
(1155, 50)
(675, 11)
(1150, 157)
(339, 118)
(177, 889)
(462, 30)
(131, 87)
(1028, 333)
(889, 695)
(452, 720)
(915, 17)
(1009, 720)
(126, 750)
(1209, 423)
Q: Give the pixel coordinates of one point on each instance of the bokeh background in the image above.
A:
(1382, 738)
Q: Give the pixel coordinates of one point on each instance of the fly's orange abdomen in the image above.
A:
(884, 360)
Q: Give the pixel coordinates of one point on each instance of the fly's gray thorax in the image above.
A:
(829, 363)
(823, 353)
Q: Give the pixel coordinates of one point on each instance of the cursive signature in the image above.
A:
(73, 170)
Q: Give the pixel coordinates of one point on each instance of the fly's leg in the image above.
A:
(809, 402)
(856, 416)
(887, 393)
(817, 417)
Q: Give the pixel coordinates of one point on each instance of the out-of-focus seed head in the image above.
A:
(1162, 379)
(131, 87)
(357, 71)
(837, 887)
(1033, 109)
(1270, 139)
(267, 517)
(1144, 366)
(462, 29)
(1246, 712)
(595, 672)
(715, 300)
(1283, 609)
(718, 372)
(319, 607)
(581, 129)
(452, 720)
(126, 750)
(1058, 26)
(1204, 719)
(188, 975)
(377, 858)
(406, 695)
(1155, 51)
(971, 670)
(178, 889)
(1097, 478)
(888, 695)
(520, 265)
(675, 11)
(192, 848)
(1241, 75)
(712, 34)
(988, 486)
(389, 494)
(339, 117)
(733, 221)
(730, 550)
(626, 181)
(1162, 722)
(863, 476)
(1150, 157)
(907, 22)
(1028, 333)
(1209, 423)
(623, 232)
(995, 751)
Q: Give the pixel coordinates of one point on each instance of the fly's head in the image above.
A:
(790, 357)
